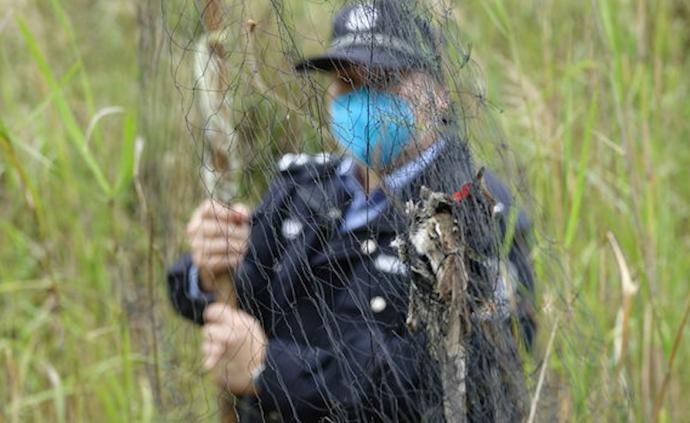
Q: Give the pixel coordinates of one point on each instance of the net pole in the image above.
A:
(220, 166)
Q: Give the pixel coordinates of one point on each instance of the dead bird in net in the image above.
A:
(463, 297)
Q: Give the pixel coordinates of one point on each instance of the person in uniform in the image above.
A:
(320, 329)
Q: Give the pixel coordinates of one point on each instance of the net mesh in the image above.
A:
(388, 258)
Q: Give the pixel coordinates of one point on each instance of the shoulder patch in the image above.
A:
(291, 162)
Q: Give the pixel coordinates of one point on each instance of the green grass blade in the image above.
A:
(127, 155)
(578, 193)
(494, 17)
(40, 108)
(68, 29)
(31, 194)
(76, 136)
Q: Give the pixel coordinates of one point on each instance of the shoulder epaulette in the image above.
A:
(291, 163)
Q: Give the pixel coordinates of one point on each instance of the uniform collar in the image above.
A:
(364, 209)
(402, 176)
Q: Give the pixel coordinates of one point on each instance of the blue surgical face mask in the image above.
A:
(374, 126)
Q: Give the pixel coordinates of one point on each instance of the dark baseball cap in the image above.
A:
(384, 34)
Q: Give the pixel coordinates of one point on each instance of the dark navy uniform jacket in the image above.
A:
(333, 299)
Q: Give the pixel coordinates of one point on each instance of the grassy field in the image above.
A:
(98, 174)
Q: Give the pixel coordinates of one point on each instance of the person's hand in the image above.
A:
(217, 234)
(234, 347)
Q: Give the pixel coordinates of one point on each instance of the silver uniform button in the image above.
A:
(369, 247)
(291, 228)
(499, 208)
(335, 213)
(378, 304)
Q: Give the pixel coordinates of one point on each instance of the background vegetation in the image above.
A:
(98, 173)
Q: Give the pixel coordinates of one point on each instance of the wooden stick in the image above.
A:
(222, 164)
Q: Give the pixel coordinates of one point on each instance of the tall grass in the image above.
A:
(97, 177)
(595, 100)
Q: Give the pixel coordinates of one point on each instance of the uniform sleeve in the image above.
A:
(251, 276)
(250, 279)
(256, 271)
(519, 257)
(185, 302)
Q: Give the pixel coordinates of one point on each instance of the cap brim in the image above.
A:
(363, 55)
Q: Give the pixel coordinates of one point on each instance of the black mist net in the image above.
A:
(388, 261)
